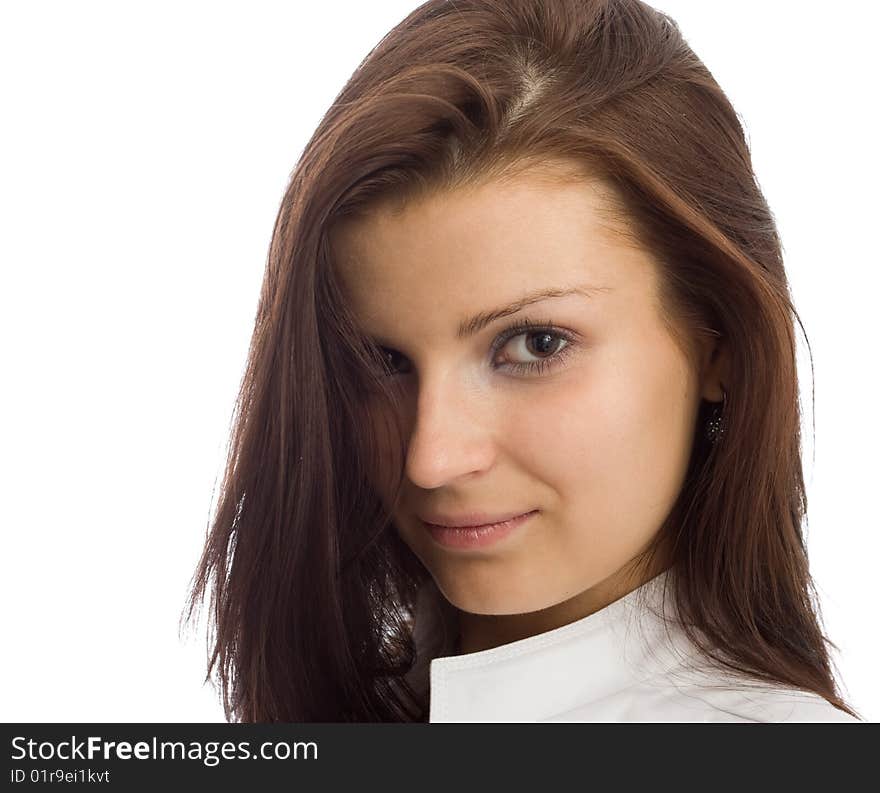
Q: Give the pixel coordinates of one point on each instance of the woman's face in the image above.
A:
(591, 426)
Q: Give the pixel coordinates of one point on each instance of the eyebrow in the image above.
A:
(479, 321)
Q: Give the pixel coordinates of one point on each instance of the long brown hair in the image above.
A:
(311, 588)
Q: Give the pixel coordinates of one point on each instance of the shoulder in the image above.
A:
(686, 697)
(764, 703)
(650, 702)
(695, 687)
(709, 696)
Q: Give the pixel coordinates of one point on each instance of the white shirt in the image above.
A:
(618, 664)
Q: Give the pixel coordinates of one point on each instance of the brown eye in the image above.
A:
(389, 361)
(540, 343)
(532, 347)
(539, 346)
(545, 344)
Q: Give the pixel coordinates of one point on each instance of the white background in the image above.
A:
(145, 149)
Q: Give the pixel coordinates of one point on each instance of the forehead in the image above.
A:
(466, 249)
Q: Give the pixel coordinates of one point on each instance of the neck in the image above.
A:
(485, 631)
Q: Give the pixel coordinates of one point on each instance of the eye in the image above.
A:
(546, 344)
(387, 361)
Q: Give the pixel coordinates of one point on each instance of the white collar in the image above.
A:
(541, 677)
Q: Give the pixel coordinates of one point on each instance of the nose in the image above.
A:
(452, 434)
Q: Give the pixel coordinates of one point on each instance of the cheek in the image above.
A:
(611, 441)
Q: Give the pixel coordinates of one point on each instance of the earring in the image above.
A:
(715, 426)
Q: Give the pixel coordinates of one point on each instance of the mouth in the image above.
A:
(480, 535)
(471, 520)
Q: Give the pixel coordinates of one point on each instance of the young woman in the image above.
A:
(519, 434)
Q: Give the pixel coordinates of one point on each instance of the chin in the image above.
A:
(482, 597)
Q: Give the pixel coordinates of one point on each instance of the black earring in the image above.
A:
(715, 425)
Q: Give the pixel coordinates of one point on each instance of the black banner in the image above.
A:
(247, 757)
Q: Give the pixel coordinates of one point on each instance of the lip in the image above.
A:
(476, 536)
(469, 520)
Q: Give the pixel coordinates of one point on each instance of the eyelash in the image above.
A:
(528, 326)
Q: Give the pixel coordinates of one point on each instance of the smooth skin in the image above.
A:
(599, 441)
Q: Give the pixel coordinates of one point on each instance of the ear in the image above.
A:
(714, 367)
